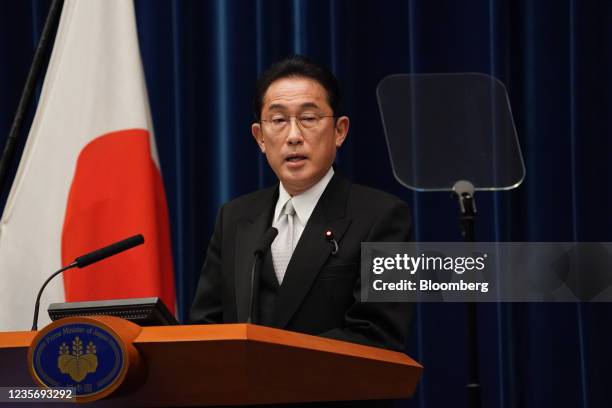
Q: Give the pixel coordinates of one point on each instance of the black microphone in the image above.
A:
(260, 250)
(88, 259)
(266, 240)
(113, 249)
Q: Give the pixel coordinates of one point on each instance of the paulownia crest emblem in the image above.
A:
(77, 363)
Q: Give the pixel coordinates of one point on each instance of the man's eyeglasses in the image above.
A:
(279, 123)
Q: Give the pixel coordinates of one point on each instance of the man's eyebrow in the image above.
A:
(309, 105)
(280, 106)
(277, 106)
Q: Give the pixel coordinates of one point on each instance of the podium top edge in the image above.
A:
(238, 332)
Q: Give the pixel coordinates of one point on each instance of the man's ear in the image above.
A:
(258, 135)
(341, 130)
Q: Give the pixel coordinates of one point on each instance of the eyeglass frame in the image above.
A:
(297, 121)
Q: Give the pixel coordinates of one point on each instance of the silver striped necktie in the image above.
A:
(283, 245)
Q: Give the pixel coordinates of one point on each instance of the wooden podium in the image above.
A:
(240, 364)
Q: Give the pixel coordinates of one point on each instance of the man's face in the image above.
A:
(299, 154)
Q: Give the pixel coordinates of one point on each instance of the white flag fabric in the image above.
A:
(89, 174)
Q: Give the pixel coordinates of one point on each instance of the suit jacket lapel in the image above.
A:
(248, 234)
(313, 249)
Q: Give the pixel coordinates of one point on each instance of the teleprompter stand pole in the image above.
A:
(467, 214)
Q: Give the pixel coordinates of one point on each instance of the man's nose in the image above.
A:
(295, 133)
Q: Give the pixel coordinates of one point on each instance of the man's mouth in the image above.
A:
(295, 159)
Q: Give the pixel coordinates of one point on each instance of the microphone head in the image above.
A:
(266, 240)
(135, 240)
(108, 251)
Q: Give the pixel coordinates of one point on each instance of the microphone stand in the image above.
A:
(254, 278)
(266, 241)
(37, 306)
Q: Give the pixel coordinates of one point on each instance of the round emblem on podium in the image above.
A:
(80, 353)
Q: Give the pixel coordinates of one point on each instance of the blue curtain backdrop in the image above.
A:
(201, 60)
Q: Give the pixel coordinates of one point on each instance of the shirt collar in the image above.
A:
(304, 203)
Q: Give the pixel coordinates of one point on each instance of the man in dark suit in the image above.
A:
(310, 278)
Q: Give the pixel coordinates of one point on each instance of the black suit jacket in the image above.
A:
(320, 293)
